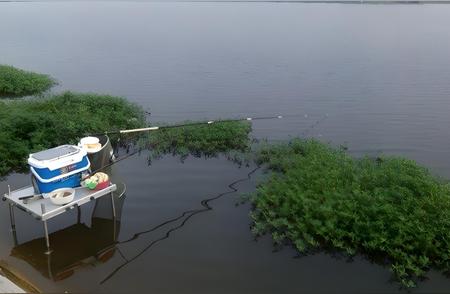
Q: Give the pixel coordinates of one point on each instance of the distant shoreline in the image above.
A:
(335, 1)
(327, 1)
(387, 2)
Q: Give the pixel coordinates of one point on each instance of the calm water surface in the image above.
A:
(380, 73)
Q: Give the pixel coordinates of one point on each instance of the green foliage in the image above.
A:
(199, 140)
(36, 124)
(389, 209)
(15, 82)
(28, 126)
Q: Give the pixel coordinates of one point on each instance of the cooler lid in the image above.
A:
(57, 157)
(55, 153)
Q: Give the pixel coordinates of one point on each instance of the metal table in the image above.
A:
(43, 209)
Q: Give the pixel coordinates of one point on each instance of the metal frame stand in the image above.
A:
(78, 214)
(49, 266)
(113, 205)
(13, 223)
(12, 219)
(44, 213)
(47, 239)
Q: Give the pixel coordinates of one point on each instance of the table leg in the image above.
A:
(49, 266)
(47, 240)
(12, 220)
(113, 205)
(78, 214)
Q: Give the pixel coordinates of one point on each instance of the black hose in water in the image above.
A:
(186, 215)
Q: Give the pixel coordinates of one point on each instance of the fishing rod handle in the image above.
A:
(139, 130)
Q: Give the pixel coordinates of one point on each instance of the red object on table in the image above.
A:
(103, 185)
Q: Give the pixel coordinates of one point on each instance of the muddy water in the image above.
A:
(376, 77)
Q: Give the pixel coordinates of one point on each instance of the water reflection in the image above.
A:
(184, 216)
(78, 245)
(81, 245)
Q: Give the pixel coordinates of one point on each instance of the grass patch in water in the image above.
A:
(32, 125)
(199, 140)
(16, 82)
(389, 208)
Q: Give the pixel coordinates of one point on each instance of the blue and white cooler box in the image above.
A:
(59, 167)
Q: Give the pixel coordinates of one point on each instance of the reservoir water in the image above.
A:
(375, 76)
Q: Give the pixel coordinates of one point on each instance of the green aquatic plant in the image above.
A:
(199, 140)
(389, 209)
(35, 124)
(16, 82)
(31, 125)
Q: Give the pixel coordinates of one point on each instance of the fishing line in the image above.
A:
(186, 215)
(155, 128)
(313, 125)
(205, 202)
(189, 214)
(121, 254)
(114, 162)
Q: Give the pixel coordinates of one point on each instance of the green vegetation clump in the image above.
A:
(16, 82)
(199, 139)
(32, 125)
(388, 208)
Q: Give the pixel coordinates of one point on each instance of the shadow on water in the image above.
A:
(81, 245)
(78, 245)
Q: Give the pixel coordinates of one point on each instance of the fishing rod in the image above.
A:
(155, 128)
